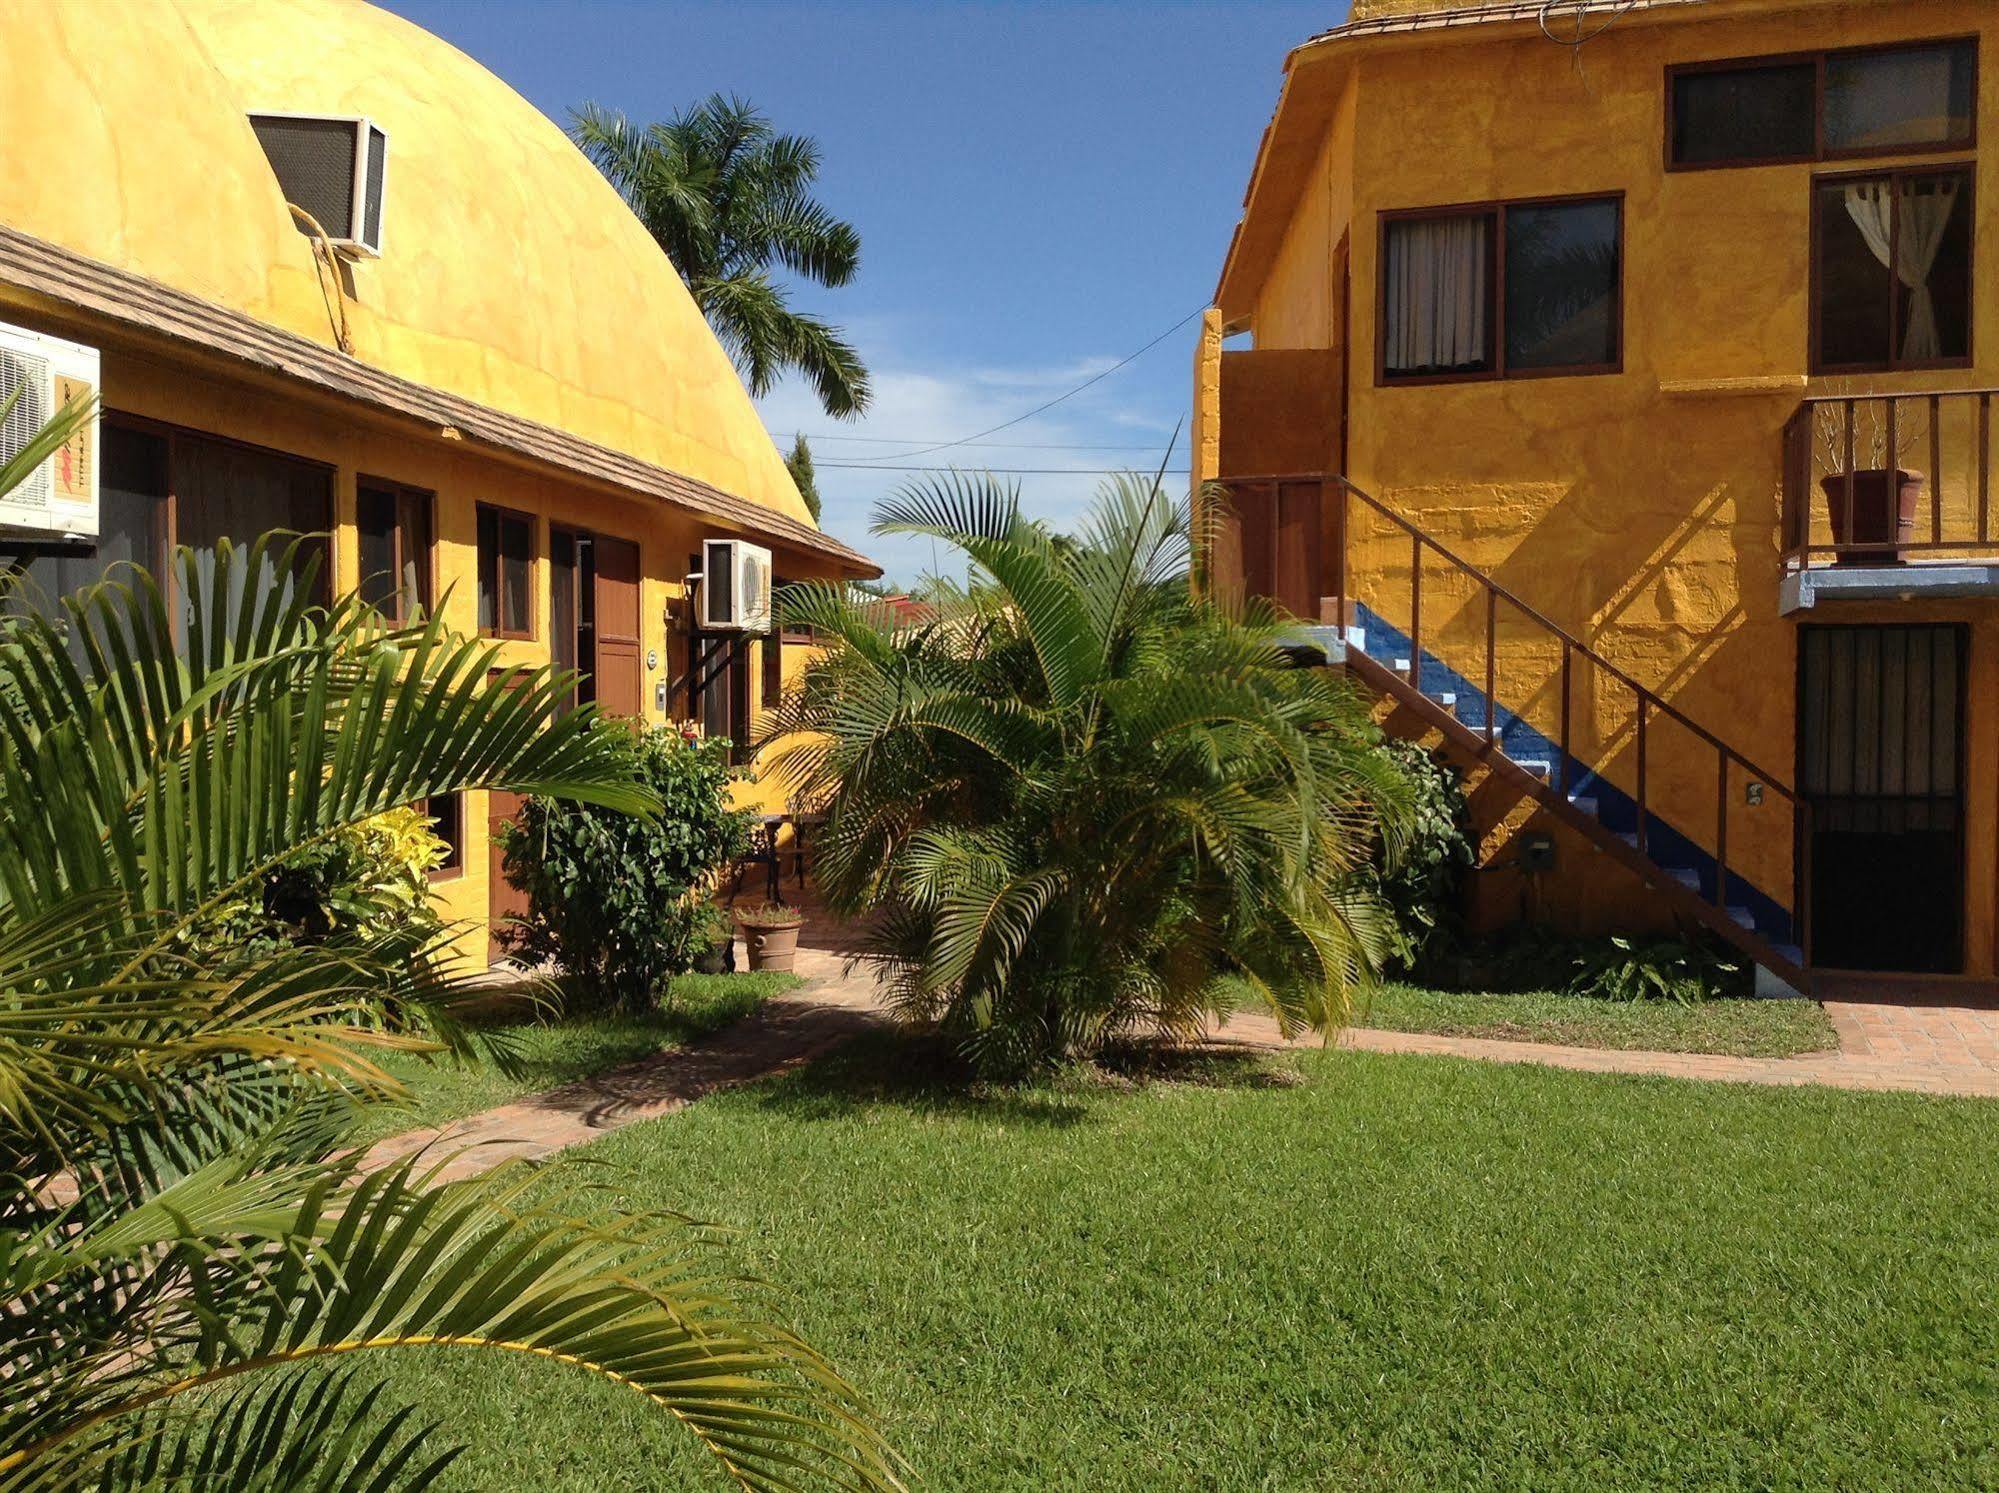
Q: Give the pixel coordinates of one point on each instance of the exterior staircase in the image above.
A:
(1479, 731)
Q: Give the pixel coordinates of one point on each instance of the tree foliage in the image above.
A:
(195, 1275)
(799, 464)
(614, 898)
(1083, 803)
(1424, 885)
(729, 199)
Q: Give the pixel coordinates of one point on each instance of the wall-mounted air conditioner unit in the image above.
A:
(60, 496)
(334, 166)
(735, 586)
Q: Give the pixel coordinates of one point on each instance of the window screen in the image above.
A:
(1740, 114)
(314, 163)
(506, 572)
(241, 493)
(1880, 101)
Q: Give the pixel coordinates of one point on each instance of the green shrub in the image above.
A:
(614, 900)
(1085, 805)
(1687, 970)
(1422, 885)
(366, 881)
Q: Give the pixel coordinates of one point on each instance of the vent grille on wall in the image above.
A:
(59, 498)
(333, 167)
(30, 375)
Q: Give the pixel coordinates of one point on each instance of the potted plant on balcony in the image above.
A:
(770, 933)
(1871, 506)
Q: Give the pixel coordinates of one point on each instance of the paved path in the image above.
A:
(783, 1033)
(1882, 1045)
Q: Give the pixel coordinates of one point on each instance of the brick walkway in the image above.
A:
(785, 1032)
(1919, 1049)
(1949, 1050)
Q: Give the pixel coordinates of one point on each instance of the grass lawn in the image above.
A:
(1396, 1273)
(1746, 1028)
(555, 1052)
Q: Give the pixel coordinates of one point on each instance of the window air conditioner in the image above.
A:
(333, 166)
(735, 586)
(60, 496)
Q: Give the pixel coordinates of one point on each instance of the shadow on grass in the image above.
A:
(926, 1073)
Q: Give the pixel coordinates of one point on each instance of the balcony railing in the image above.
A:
(1887, 479)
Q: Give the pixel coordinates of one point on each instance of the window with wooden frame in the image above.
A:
(447, 822)
(771, 653)
(1526, 289)
(1891, 281)
(394, 539)
(1822, 106)
(506, 572)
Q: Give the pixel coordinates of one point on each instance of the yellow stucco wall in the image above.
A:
(511, 275)
(1637, 509)
(156, 387)
(511, 272)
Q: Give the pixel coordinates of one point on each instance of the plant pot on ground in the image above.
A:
(714, 942)
(770, 933)
(1882, 518)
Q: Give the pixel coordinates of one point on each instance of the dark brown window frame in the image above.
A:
(402, 491)
(453, 866)
(1821, 152)
(1892, 174)
(534, 555)
(1495, 212)
(166, 538)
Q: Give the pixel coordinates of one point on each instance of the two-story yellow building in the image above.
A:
(464, 357)
(1607, 386)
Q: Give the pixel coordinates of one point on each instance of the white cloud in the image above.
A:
(920, 405)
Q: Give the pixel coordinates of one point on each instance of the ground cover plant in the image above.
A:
(1398, 1273)
(184, 1242)
(1084, 802)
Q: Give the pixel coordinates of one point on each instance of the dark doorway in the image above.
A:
(1880, 761)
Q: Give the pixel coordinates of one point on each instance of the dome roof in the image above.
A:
(512, 274)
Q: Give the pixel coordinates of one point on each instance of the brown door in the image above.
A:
(503, 899)
(620, 681)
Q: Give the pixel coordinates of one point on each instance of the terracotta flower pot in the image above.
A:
(1884, 514)
(771, 948)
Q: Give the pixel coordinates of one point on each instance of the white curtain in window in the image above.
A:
(1436, 294)
(1926, 207)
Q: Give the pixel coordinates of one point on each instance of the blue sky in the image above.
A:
(1040, 190)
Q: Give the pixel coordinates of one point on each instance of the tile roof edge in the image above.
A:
(138, 303)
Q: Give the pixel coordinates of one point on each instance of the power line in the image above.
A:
(1071, 394)
(871, 466)
(906, 440)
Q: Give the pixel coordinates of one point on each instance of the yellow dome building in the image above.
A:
(469, 363)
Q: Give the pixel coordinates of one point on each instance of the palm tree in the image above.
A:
(727, 197)
(195, 1274)
(1084, 804)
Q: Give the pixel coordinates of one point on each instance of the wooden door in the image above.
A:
(620, 678)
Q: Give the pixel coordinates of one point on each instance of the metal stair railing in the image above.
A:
(1650, 707)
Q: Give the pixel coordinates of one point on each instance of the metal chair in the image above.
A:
(762, 852)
